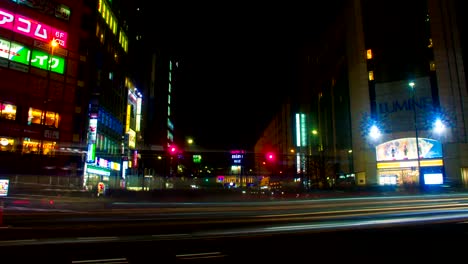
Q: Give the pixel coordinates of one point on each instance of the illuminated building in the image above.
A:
(63, 108)
(394, 67)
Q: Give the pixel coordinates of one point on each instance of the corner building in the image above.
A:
(64, 92)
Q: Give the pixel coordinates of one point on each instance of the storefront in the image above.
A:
(103, 171)
(398, 164)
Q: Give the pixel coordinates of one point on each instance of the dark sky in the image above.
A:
(239, 63)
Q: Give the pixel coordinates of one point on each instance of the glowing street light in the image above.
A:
(413, 91)
(374, 132)
(439, 126)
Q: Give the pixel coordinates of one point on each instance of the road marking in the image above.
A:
(113, 260)
(97, 238)
(201, 255)
(165, 236)
(19, 241)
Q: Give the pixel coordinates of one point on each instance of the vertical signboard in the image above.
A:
(4, 184)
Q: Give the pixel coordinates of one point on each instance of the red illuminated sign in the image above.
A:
(31, 28)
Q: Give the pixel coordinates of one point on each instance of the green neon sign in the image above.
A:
(42, 60)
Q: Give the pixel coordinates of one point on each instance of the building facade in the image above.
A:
(404, 75)
(398, 73)
(64, 91)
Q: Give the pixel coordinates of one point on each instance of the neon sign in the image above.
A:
(31, 28)
(44, 61)
(21, 54)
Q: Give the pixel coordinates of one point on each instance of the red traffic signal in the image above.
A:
(172, 149)
(270, 156)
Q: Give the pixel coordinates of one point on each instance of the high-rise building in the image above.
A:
(158, 66)
(65, 92)
(396, 69)
(405, 76)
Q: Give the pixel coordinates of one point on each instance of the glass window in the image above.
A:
(34, 116)
(371, 75)
(7, 111)
(369, 54)
(31, 146)
(49, 148)
(7, 144)
(52, 119)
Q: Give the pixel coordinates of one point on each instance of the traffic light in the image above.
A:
(172, 150)
(270, 156)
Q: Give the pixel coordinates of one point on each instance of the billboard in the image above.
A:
(4, 184)
(405, 149)
(31, 28)
(24, 55)
(45, 61)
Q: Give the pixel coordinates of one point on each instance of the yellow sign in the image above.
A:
(127, 122)
(131, 138)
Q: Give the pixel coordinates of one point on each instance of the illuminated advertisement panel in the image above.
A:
(19, 53)
(405, 149)
(4, 184)
(41, 60)
(92, 131)
(31, 28)
(138, 115)
(131, 138)
(127, 121)
(91, 154)
(14, 52)
(4, 48)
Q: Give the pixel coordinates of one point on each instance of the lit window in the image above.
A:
(52, 119)
(31, 146)
(430, 43)
(432, 66)
(371, 75)
(7, 111)
(369, 54)
(7, 144)
(36, 116)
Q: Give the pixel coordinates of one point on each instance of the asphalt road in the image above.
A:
(368, 229)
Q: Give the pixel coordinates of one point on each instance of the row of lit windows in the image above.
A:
(103, 143)
(111, 21)
(28, 146)
(35, 116)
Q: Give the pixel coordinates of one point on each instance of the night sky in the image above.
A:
(239, 63)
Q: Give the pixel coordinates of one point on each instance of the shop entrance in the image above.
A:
(400, 176)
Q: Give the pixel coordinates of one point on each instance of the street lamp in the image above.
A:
(413, 91)
(53, 44)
